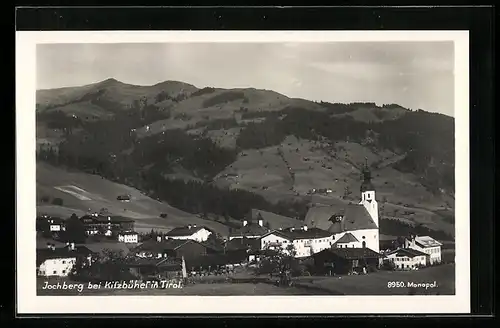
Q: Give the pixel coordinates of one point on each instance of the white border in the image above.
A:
(29, 302)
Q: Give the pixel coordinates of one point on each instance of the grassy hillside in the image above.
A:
(252, 146)
(81, 192)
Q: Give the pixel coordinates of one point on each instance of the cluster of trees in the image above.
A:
(200, 197)
(107, 266)
(203, 91)
(218, 124)
(224, 97)
(163, 95)
(261, 114)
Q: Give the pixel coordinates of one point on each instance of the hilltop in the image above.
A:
(200, 149)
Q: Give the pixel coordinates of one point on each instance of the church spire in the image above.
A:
(367, 178)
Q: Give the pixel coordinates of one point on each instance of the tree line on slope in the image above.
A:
(427, 139)
(109, 149)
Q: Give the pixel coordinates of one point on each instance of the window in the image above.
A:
(364, 243)
(63, 271)
(54, 272)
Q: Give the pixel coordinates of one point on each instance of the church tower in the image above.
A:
(368, 194)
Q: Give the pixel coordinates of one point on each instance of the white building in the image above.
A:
(427, 245)
(360, 221)
(191, 232)
(56, 225)
(407, 258)
(53, 261)
(129, 237)
(306, 241)
(348, 240)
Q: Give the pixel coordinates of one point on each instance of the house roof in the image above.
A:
(407, 252)
(184, 231)
(44, 254)
(355, 217)
(251, 229)
(243, 243)
(275, 220)
(347, 238)
(350, 253)
(295, 234)
(426, 241)
(101, 247)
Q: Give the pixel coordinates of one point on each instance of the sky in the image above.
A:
(416, 75)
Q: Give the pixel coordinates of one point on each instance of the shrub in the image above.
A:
(57, 201)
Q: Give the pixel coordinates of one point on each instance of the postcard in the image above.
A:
(242, 172)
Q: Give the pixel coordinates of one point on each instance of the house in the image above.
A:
(347, 241)
(191, 232)
(105, 224)
(123, 198)
(242, 243)
(407, 258)
(128, 237)
(171, 248)
(52, 261)
(360, 220)
(306, 241)
(427, 245)
(346, 260)
(249, 229)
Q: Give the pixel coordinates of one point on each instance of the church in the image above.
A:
(352, 225)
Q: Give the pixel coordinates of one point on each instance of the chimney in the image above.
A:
(261, 223)
(52, 246)
(189, 226)
(245, 222)
(72, 246)
(194, 225)
(158, 238)
(305, 228)
(49, 245)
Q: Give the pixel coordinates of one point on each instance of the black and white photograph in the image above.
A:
(307, 167)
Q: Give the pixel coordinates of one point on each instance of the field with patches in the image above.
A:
(81, 192)
(297, 166)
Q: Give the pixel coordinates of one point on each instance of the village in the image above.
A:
(332, 242)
